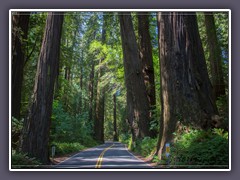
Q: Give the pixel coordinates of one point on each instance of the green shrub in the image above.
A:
(146, 146)
(67, 148)
(67, 127)
(200, 148)
(154, 123)
(130, 143)
(16, 126)
(20, 160)
(124, 138)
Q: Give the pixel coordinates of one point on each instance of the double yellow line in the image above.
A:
(100, 158)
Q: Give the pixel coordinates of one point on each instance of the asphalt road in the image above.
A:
(111, 155)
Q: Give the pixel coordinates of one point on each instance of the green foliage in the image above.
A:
(70, 128)
(155, 159)
(126, 139)
(154, 123)
(200, 149)
(221, 22)
(16, 127)
(222, 105)
(222, 28)
(98, 49)
(146, 146)
(67, 148)
(20, 160)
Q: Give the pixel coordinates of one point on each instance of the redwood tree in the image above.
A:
(187, 96)
(137, 102)
(214, 56)
(115, 135)
(37, 124)
(20, 23)
(91, 90)
(145, 48)
(100, 99)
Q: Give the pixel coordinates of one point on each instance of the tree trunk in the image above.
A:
(91, 90)
(99, 113)
(100, 101)
(115, 135)
(187, 97)
(147, 61)
(81, 86)
(215, 56)
(20, 24)
(137, 102)
(37, 124)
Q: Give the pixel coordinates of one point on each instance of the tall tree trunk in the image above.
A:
(147, 61)
(99, 113)
(137, 102)
(115, 135)
(215, 56)
(187, 97)
(20, 23)
(100, 103)
(37, 124)
(91, 90)
(81, 85)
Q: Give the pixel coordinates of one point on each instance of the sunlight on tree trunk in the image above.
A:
(137, 102)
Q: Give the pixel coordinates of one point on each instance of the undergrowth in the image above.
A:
(20, 160)
(145, 147)
(201, 149)
(67, 148)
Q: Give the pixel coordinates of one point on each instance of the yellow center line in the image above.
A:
(100, 158)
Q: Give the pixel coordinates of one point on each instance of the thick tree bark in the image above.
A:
(115, 135)
(137, 102)
(20, 23)
(37, 124)
(147, 60)
(215, 56)
(187, 96)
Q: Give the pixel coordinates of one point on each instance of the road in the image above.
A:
(111, 155)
